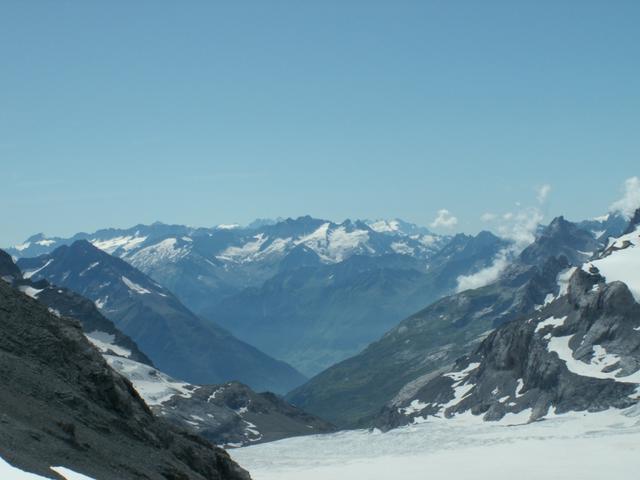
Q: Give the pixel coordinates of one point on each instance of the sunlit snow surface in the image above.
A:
(576, 445)
(623, 264)
(9, 472)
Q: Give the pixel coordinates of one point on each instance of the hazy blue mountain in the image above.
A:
(318, 314)
(177, 341)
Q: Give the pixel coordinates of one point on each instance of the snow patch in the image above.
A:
(623, 263)
(31, 273)
(110, 245)
(104, 342)
(551, 321)
(134, 286)
(153, 386)
(32, 292)
(601, 360)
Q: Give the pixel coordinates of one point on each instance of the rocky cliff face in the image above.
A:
(580, 352)
(63, 302)
(62, 405)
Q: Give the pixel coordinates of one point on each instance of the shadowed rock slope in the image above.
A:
(62, 405)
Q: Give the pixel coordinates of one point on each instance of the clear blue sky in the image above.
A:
(120, 112)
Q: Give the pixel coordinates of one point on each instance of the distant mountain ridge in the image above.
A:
(316, 315)
(204, 265)
(329, 288)
(178, 342)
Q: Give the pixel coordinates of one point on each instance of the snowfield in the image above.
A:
(589, 446)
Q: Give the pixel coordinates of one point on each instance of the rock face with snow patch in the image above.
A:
(234, 415)
(63, 302)
(177, 341)
(231, 414)
(579, 352)
(62, 405)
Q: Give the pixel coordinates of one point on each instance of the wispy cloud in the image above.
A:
(486, 275)
(542, 193)
(444, 219)
(630, 200)
(520, 228)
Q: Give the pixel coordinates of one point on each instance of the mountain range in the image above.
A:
(275, 279)
(553, 330)
(352, 392)
(177, 341)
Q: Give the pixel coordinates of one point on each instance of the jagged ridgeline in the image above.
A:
(580, 351)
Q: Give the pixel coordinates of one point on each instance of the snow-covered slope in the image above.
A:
(620, 261)
(229, 414)
(577, 445)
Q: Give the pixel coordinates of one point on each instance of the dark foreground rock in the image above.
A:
(61, 404)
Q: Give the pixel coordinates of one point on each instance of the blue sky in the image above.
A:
(116, 113)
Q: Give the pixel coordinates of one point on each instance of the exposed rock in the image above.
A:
(62, 405)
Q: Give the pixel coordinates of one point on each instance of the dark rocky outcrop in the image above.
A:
(64, 302)
(581, 352)
(233, 415)
(61, 404)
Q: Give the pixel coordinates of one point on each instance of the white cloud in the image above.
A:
(444, 219)
(488, 217)
(543, 192)
(630, 200)
(520, 228)
(486, 275)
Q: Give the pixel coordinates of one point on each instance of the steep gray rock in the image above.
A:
(64, 302)
(234, 415)
(62, 405)
(580, 352)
